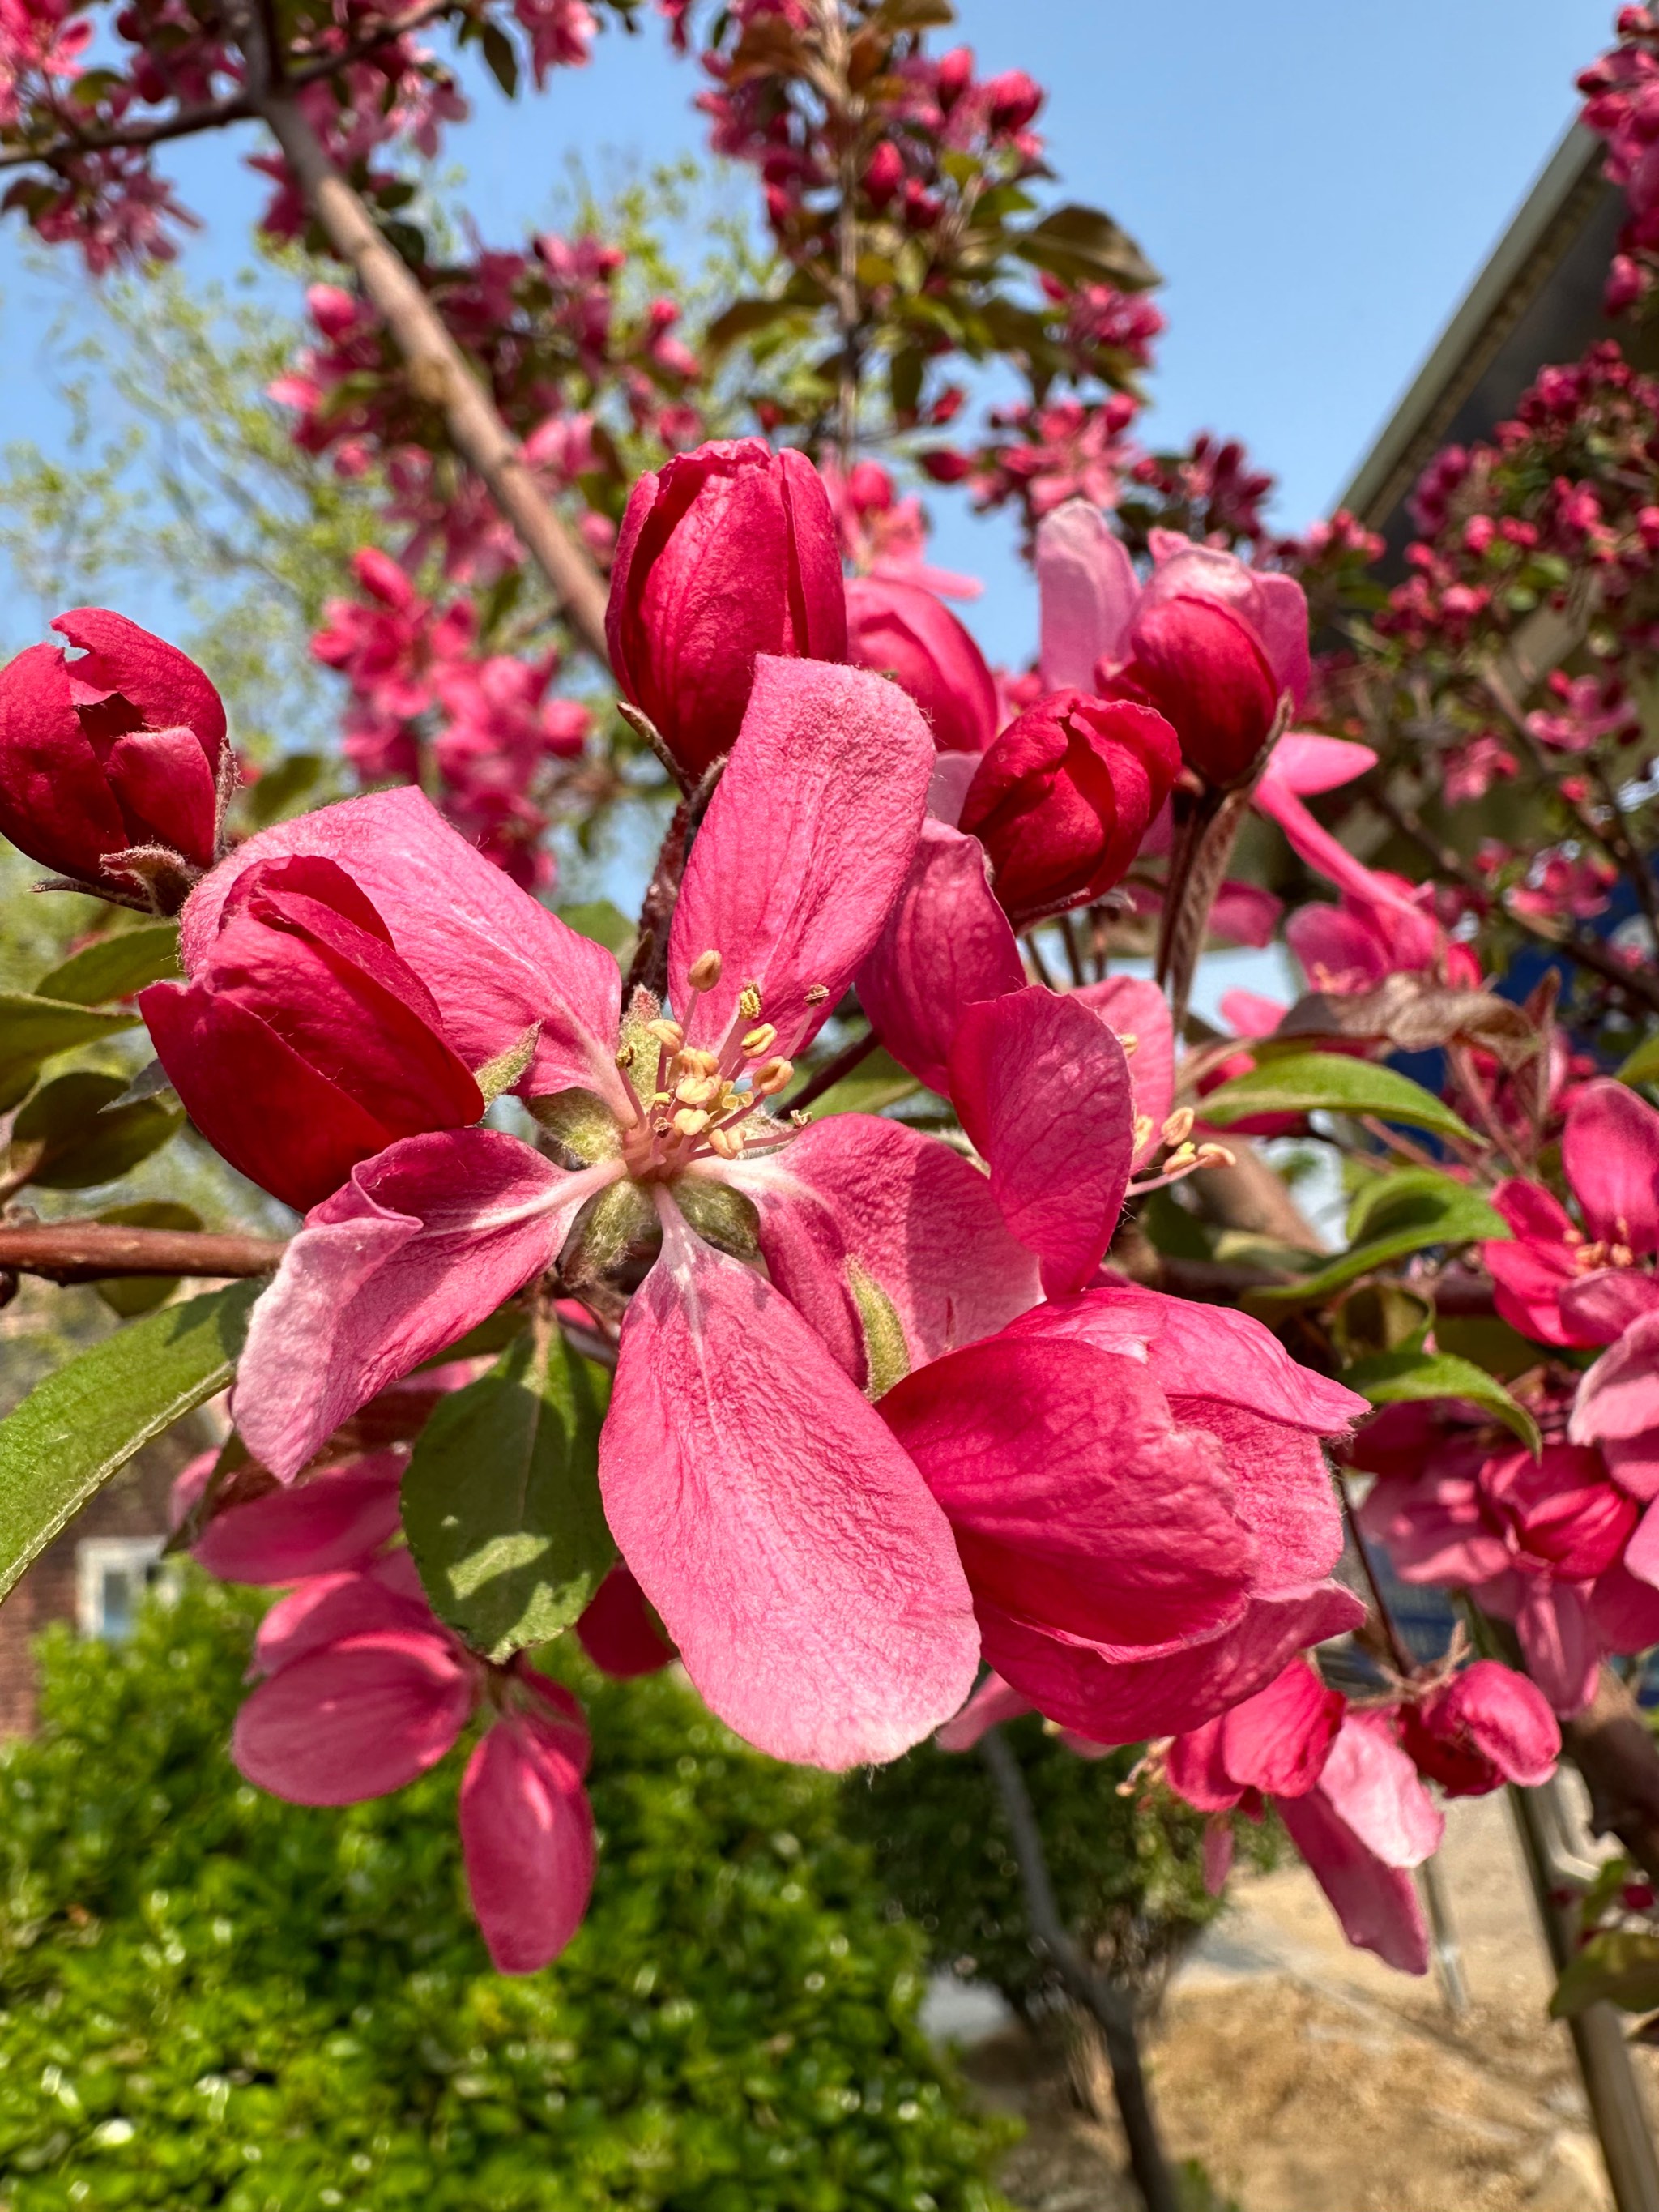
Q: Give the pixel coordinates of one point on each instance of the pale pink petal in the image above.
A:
(354, 1719)
(947, 786)
(1624, 1609)
(1598, 1308)
(1377, 1905)
(790, 1548)
(947, 944)
(1114, 1702)
(1244, 913)
(1132, 1007)
(992, 1703)
(338, 1519)
(495, 960)
(1043, 1089)
(1305, 762)
(1557, 1639)
(1372, 1786)
(1281, 621)
(854, 1195)
(1610, 1151)
(527, 1839)
(1436, 1529)
(1619, 1396)
(425, 1240)
(1633, 1463)
(1249, 1015)
(1279, 1740)
(326, 1609)
(1088, 586)
(1045, 1457)
(804, 846)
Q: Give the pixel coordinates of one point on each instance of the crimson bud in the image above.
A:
(902, 631)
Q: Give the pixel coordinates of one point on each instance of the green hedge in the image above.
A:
(211, 1998)
(1127, 1872)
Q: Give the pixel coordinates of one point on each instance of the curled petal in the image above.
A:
(419, 1245)
(1132, 1007)
(355, 1719)
(992, 1703)
(1278, 1740)
(527, 1839)
(1089, 588)
(855, 1198)
(803, 847)
(791, 1548)
(1610, 1150)
(1619, 1396)
(1371, 1785)
(1378, 1905)
(1042, 1088)
(338, 1519)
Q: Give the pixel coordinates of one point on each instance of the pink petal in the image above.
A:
(946, 943)
(1528, 1280)
(1371, 1785)
(1198, 1772)
(165, 685)
(1623, 1610)
(1536, 1215)
(354, 1719)
(1378, 1905)
(617, 1633)
(1505, 1718)
(1619, 1396)
(1599, 1307)
(527, 1838)
(1633, 1463)
(1281, 619)
(1244, 913)
(1279, 1740)
(338, 1519)
(421, 1243)
(1610, 1151)
(805, 847)
(1306, 763)
(1112, 1702)
(1325, 854)
(1044, 1457)
(162, 777)
(495, 960)
(1218, 1854)
(1132, 1007)
(1558, 1639)
(326, 1609)
(853, 1192)
(1436, 1529)
(1089, 586)
(992, 1703)
(1043, 1089)
(791, 1549)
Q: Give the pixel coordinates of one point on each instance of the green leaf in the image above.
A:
(499, 58)
(747, 318)
(502, 1499)
(132, 1295)
(1081, 243)
(495, 1332)
(114, 967)
(1393, 1377)
(1393, 1215)
(78, 1427)
(71, 1134)
(1331, 1083)
(1620, 1967)
(34, 1029)
(876, 1082)
(605, 923)
(280, 788)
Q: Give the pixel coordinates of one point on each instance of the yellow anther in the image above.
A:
(817, 993)
(662, 1098)
(691, 1121)
(625, 1055)
(704, 972)
(1217, 1156)
(1182, 1157)
(1129, 1040)
(699, 1089)
(775, 1076)
(668, 1033)
(760, 1039)
(696, 1062)
(1143, 1131)
(749, 1002)
(728, 1143)
(798, 1120)
(1179, 1127)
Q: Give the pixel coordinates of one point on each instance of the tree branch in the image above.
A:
(86, 1251)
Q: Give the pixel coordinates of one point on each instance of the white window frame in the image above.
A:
(94, 1558)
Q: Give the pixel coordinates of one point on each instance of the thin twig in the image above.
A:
(825, 1078)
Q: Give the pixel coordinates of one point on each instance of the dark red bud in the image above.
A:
(901, 630)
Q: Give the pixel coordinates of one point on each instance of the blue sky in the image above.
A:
(1318, 185)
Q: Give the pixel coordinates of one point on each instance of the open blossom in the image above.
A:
(302, 1042)
(789, 1546)
(114, 764)
(1116, 1623)
(725, 553)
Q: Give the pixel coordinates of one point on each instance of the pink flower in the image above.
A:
(790, 1547)
(1043, 1444)
(116, 763)
(901, 631)
(1483, 1728)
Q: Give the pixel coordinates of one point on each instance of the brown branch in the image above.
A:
(1612, 1747)
(86, 1251)
(826, 1078)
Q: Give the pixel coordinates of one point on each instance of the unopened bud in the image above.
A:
(760, 1039)
(775, 1076)
(1179, 1127)
(705, 971)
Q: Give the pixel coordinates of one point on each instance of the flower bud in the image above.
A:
(123, 749)
(303, 1042)
(725, 553)
(1484, 1727)
(1063, 798)
(902, 631)
(1203, 666)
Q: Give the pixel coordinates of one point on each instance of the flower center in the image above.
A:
(698, 1103)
